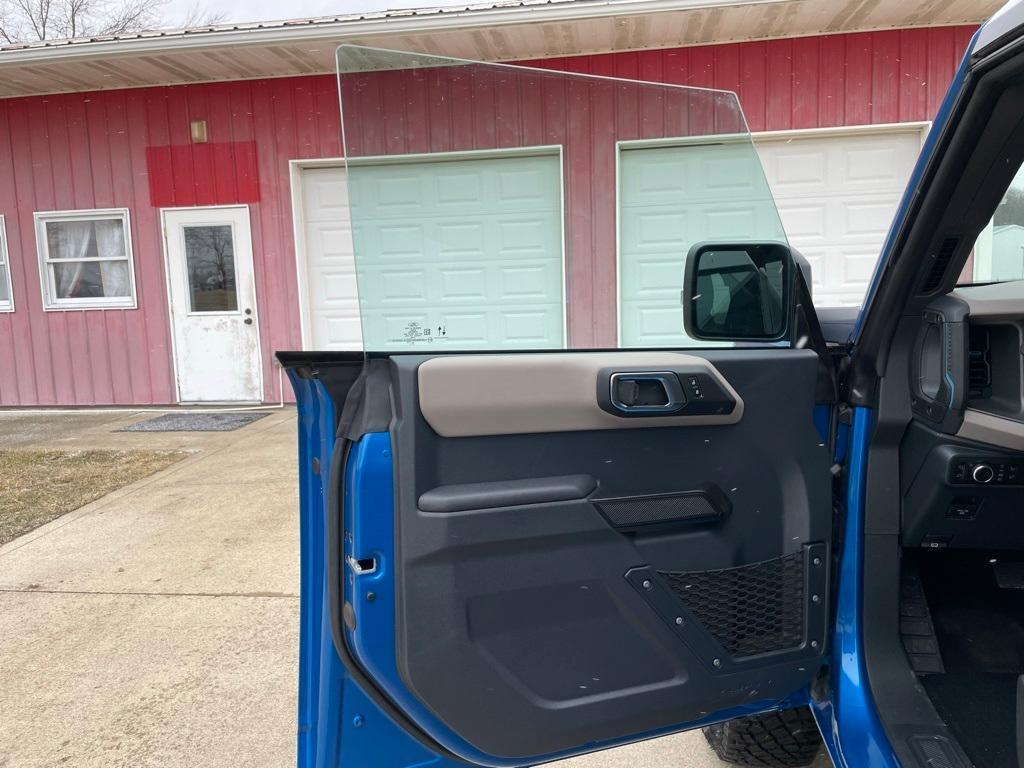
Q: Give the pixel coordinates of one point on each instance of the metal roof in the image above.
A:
(502, 31)
(311, 22)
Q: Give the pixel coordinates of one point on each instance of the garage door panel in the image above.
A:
(868, 218)
(523, 280)
(835, 196)
(671, 198)
(794, 170)
(887, 163)
(508, 327)
(324, 198)
(458, 189)
(514, 281)
(330, 242)
(335, 289)
(335, 331)
(465, 253)
(393, 242)
(804, 220)
(717, 172)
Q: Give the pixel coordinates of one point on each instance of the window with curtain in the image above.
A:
(6, 296)
(85, 259)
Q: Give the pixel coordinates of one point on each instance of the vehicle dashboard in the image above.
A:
(962, 458)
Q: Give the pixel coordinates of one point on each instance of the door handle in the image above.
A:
(646, 392)
(248, 321)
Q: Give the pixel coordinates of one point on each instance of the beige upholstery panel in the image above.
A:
(993, 430)
(470, 395)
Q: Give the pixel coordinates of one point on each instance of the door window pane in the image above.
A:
(210, 255)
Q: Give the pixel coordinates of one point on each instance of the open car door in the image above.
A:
(538, 518)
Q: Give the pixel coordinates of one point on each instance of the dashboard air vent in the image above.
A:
(942, 259)
(979, 370)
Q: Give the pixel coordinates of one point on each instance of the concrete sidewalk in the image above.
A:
(158, 626)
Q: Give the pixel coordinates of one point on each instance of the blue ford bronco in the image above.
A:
(525, 538)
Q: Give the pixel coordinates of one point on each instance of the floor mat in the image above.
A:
(981, 710)
(194, 422)
(980, 629)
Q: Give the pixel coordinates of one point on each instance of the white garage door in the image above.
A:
(669, 199)
(330, 301)
(836, 196)
(464, 253)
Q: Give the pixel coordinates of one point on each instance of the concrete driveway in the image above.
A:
(158, 626)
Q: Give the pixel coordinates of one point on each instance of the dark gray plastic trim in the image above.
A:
(507, 493)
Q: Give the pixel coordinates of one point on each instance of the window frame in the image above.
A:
(47, 280)
(5, 261)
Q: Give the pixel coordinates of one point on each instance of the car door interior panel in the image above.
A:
(587, 572)
(476, 395)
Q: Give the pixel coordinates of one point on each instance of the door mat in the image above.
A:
(194, 422)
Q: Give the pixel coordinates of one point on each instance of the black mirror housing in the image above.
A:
(739, 291)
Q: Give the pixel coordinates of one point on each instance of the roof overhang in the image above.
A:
(498, 32)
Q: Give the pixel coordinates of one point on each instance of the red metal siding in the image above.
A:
(95, 151)
(131, 149)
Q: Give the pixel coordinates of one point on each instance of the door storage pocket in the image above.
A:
(750, 609)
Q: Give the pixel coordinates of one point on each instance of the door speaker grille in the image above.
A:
(749, 609)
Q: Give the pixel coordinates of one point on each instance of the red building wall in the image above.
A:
(131, 149)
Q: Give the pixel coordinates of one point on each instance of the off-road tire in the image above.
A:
(786, 739)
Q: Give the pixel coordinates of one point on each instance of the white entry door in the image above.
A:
(213, 305)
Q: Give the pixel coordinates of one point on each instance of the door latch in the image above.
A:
(646, 392)
(362, 566)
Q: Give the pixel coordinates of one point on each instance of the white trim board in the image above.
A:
(5, 258)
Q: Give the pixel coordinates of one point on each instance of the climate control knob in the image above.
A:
(983, 473)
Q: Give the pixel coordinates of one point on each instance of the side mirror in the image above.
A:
(739, 291)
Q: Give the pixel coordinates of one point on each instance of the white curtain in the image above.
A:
(75, 236)
(110, 245)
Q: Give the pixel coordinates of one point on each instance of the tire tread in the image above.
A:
(786, 739)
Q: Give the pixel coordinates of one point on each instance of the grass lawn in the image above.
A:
(39, 486)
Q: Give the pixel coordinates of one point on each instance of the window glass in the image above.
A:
(86, 260)
(998, 253)
(495, 207)
(733, 295)
(91, 279)
(210, 256)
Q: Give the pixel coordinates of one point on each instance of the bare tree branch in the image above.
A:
(197, 16)
(25, 20)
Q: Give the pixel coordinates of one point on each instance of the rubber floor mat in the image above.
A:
(1009, 575)
(980, 708)
(194, 422)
